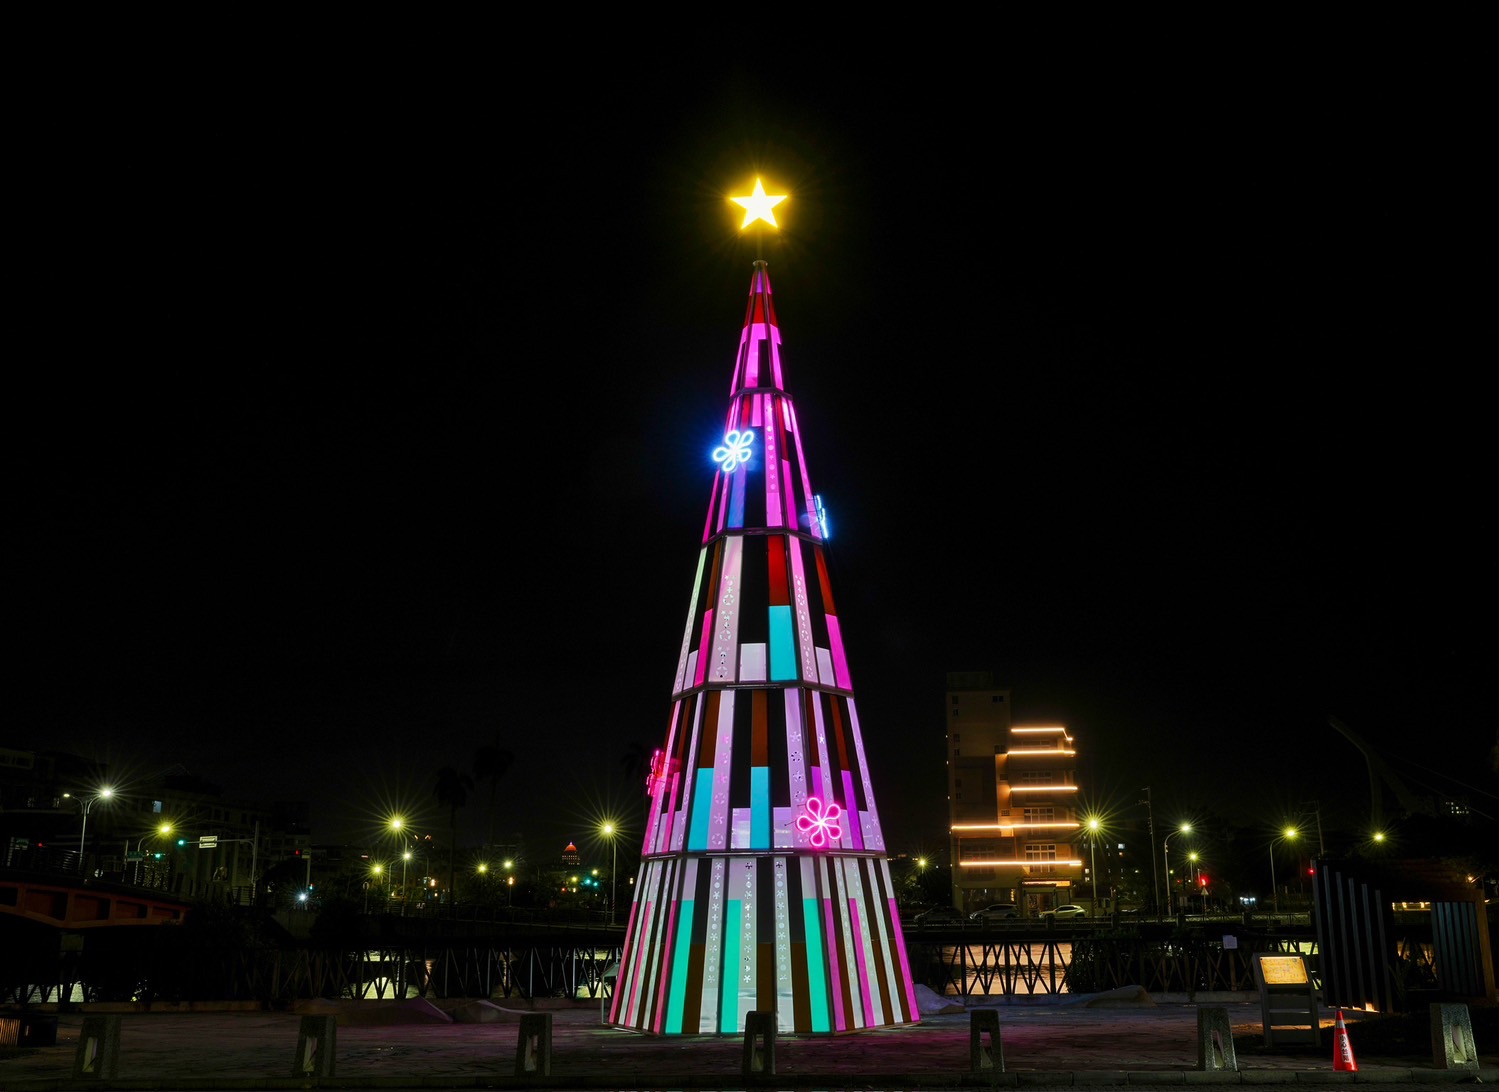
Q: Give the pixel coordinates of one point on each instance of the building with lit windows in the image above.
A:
(1012, 803)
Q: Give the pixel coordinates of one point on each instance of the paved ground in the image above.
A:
(1142, 1043)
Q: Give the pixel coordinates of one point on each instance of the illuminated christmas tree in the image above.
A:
(764, 884)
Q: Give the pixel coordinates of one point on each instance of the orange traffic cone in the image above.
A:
(1342, 1049)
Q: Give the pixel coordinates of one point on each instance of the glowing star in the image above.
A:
(821, 822)
(735, 450)
(757, 206)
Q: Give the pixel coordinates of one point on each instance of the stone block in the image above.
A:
(317, 1046)
(1452, 1038)
(1215, 1041)
(533, 1049)
(98, 1055)
(759, 1043)
(986, 1051)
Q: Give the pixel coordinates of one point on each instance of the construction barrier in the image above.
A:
(1452, 1044)
(317, 1047)
(985, 1057)
(533, 1050)
(759, 1043)
(1215, 1041)
(98, 1055)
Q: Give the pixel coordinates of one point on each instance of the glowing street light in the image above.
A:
(1185, 828)
(1289, 834)
(165, 828)
(1093, 825)
(87, 804)
(610, 831)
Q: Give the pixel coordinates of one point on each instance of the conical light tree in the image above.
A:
(764, 884)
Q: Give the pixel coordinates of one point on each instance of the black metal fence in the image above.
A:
(178, 965)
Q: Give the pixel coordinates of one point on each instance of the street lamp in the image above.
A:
(1288, 834)
(509, 883)
(610, 831)
(165, 828)
(405, 893)
(1150, 826)
(1093, 826)
(375, 871)
(87, 803)
(1185, 828)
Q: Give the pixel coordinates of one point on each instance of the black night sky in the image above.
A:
(362, 422)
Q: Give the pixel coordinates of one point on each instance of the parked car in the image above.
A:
(1070, 910)
(938, 915)
(999, 911)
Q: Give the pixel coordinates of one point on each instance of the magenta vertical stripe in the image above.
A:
(788, 493)
(854, 830)
(840, 659)
(857, 929)
(835, 965)
(703, 646)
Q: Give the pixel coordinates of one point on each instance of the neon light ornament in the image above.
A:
(820, 824)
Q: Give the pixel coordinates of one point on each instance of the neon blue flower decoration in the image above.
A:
(735, 450)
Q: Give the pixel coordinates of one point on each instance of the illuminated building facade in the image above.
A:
(1012, 803)
(764, 884)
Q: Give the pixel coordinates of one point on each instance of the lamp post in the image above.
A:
(1288, 833)
(165, 828)
(1150, 821)
(87, 804)
(1185, 828)
(509, 883)
(1093, 864)
(405, 892)
(611, 832)
(396, 823)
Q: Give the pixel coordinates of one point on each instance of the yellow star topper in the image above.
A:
(757, 206)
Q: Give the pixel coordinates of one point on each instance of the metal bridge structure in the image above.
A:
(66, 950)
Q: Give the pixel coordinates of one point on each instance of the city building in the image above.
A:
(1012, 793)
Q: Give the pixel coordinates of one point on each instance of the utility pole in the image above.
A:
(1155, 878)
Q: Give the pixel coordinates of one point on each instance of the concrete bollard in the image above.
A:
(533, 1050)
(985, 1058)
(317, 1047)
(98, 1055)
(1452, 1044)
(759, 1043)
(1215, 1041)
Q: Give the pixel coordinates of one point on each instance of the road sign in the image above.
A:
(135, 855)
(208, 841)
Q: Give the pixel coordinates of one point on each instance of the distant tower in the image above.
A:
(764, 883)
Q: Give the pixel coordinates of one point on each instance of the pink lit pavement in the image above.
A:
(1140, 1042)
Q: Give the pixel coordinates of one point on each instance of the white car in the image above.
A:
(1068, 911)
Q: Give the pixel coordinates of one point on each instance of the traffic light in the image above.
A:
(181, 842)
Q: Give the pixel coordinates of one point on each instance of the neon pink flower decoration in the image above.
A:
(822, 823)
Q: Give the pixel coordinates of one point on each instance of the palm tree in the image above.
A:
(491, 761)
(636, 763)
(451, 788)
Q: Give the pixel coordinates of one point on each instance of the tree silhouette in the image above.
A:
(636, 763)
(451, 788)
(491, 762)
